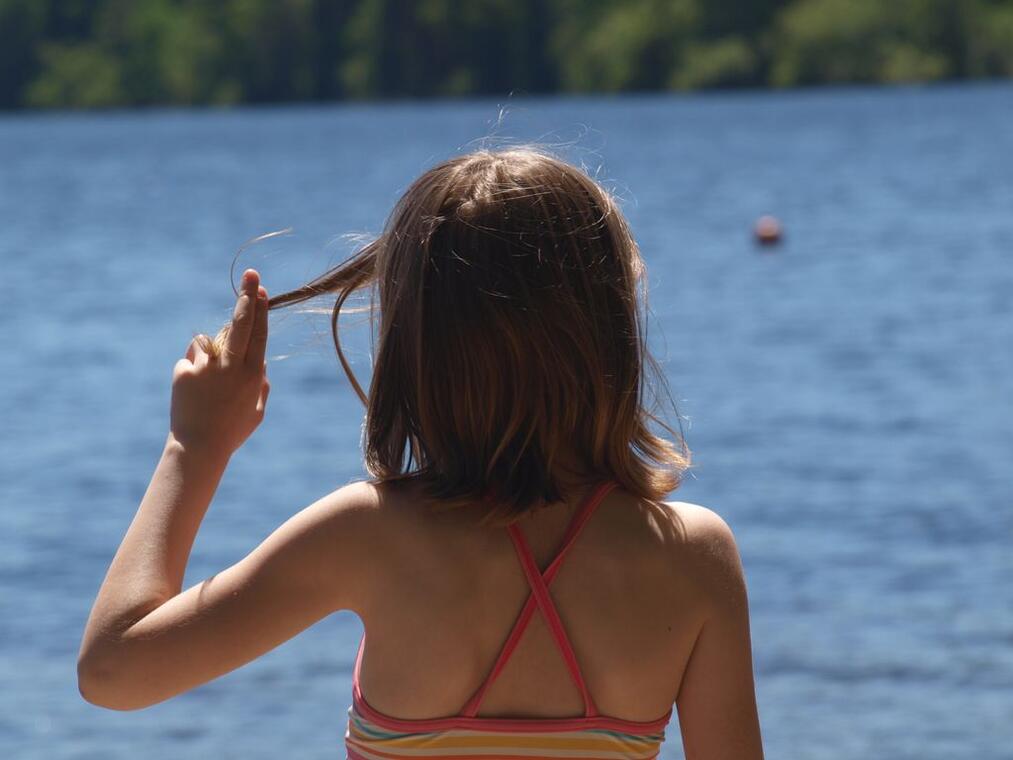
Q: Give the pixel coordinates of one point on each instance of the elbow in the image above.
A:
(100, 685)
(94, 681)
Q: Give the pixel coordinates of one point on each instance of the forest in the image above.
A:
(114, 53)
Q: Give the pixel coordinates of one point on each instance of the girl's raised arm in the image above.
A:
(145, 641)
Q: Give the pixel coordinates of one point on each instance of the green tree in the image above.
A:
(22, 25)
(727, 62)
(446, 47)
(270, 48)
(635, 45)
(76, 76)
(821, 41)
(93, 53)
(989, 39)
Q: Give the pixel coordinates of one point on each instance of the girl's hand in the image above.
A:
(219, 391)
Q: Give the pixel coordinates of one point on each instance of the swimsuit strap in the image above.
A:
(539, 581)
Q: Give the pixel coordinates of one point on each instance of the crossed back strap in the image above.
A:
(540, 599)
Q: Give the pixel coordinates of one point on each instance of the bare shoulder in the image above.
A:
(702, 527)
(332, 542)
(367, 521)
(716, 697)
(352, 507)
(708, 550)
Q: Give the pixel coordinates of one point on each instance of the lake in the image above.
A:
(847, 395)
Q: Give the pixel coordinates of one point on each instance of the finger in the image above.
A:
(258, 339)
(265, 390)
(181, 368)
(200, 356)
(242, 319)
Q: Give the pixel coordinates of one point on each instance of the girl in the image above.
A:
(523, 588)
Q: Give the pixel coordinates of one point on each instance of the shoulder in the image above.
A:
(708, 551)
(352, 507)
(366, 523)
(360, 497)
(333, 542)
(352, 518)
(703, 528)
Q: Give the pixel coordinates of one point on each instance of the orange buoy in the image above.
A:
(767, 230)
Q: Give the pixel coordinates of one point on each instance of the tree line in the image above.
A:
(106, 53)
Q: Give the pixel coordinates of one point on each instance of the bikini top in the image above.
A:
(372, 735)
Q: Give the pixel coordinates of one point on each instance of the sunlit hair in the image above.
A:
(510, 352)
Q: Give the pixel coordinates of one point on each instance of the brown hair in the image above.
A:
(510, 350)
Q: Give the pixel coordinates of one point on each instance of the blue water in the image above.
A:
(847, 398)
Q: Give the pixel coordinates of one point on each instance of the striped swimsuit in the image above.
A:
(371, 735)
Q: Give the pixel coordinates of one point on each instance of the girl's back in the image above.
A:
(446, 593)
(643, 586)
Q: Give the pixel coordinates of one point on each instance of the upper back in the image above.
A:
(443, 593)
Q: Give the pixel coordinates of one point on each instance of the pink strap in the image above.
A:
(540, 598)
(551, 615)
